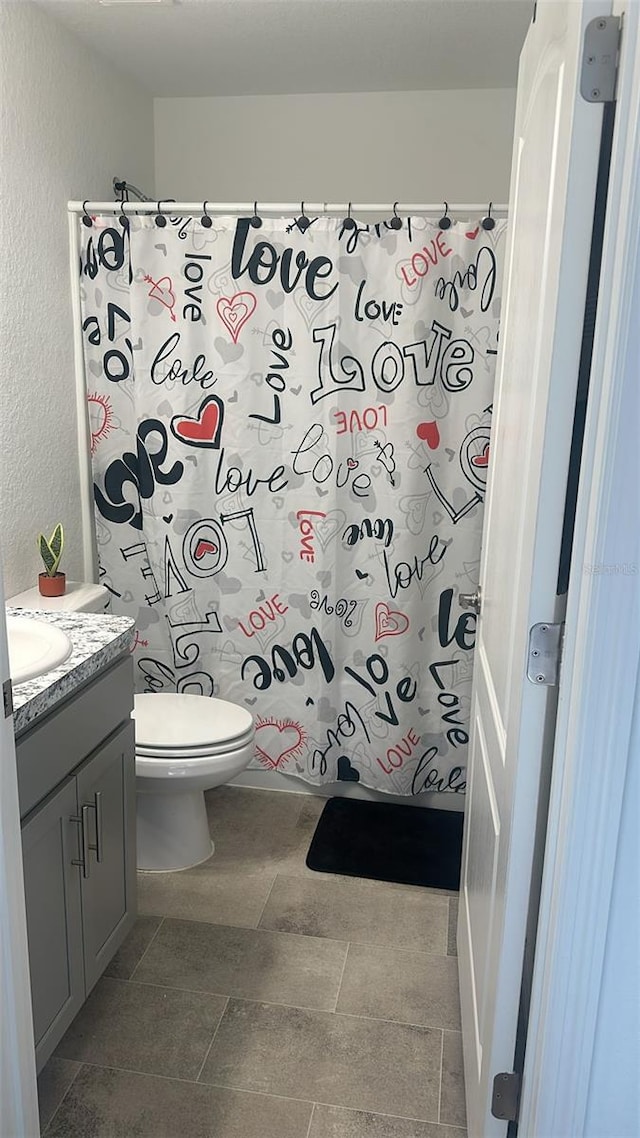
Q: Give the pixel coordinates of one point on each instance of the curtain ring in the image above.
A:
(161, 221)
(205, 219)
(396, 222)
(255, 221)
(445, 220)
(348, 222)
(488, 222)
(303, 220)
(86, 219)
(124, 197)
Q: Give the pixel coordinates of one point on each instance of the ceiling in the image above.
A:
(270, 47)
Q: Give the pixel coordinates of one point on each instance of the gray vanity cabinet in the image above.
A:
(78, 842)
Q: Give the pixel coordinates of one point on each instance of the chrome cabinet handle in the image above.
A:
(471, 601)
(83, 822)
(97, 806)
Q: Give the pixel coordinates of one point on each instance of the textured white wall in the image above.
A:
(68, 123)
(412, 146)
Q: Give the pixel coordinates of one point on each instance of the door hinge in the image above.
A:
(7, 698)
(600, 59)
(545, 654)
(505, 1099)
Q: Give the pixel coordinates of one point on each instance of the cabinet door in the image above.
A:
(106, 791)
(50, 844)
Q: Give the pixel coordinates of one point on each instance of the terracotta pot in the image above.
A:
(52, 586)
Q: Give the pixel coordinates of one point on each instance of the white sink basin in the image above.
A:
(35, 647)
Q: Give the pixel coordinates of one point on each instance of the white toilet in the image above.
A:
(185, 744)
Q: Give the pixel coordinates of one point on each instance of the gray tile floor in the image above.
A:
(256, 999)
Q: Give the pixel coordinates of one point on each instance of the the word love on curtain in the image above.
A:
(290, 432)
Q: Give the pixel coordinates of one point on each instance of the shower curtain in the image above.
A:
(290, 434)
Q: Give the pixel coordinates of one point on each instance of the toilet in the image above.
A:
(185, 744)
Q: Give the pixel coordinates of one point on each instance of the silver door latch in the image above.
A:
(471, 601)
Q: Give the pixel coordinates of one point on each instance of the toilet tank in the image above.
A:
(79, 597)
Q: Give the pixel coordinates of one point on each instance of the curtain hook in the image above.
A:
(303, 221)
(348, 222)
(205, 219)
(445, 220)
(488, 222)
(86, 219)
(124, 197)
(396, 222)
(161, 221)
(255, 221)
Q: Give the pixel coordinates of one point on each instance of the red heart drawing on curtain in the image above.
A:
(473, 234)
(234, 311)
(280, 739)
(389, 622)
(202, 548)
(429, 433)
(162, 291)
(203, 429)
(164, 294)
(481, 459)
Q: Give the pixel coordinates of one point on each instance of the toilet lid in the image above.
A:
(173, 721)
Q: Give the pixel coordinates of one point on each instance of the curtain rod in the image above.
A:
(288, 209)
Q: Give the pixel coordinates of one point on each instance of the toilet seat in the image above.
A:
(208, 751)
(175, 725)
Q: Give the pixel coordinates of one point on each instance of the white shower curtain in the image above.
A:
(290, 439)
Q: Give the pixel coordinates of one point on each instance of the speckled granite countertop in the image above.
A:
(97, 641)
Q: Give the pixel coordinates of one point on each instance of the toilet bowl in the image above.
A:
(185, 744)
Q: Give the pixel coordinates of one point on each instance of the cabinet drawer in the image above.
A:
(49, 752)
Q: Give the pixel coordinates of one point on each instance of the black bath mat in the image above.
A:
(405, 844)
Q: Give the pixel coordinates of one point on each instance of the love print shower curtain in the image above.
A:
(290, 431)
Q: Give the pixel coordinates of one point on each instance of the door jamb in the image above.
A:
(599, 672)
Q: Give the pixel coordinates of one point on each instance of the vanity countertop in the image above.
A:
(97, 641)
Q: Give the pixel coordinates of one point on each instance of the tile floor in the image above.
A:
(256, 999)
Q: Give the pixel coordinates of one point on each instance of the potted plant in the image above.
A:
(51, 583)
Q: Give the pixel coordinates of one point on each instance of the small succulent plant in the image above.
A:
(51, 550)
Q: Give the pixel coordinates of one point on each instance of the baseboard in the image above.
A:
(274, 780)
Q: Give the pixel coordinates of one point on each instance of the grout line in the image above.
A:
(250, 1091)
(207, 1052)
(255, 929)
(313, 1111)
(47, 1127)
(344, 966)
(235, 996)
(344, 1015)
(393, 947)
(266, 903)
(162, 920)
(281, 1004)
(334, 1105)
(441, 1074)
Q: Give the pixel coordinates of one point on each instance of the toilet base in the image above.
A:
(173, 830)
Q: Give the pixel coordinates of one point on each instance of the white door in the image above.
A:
(18, 1101)
(555, 160)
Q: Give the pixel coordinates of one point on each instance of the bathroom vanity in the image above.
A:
(76, 784)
